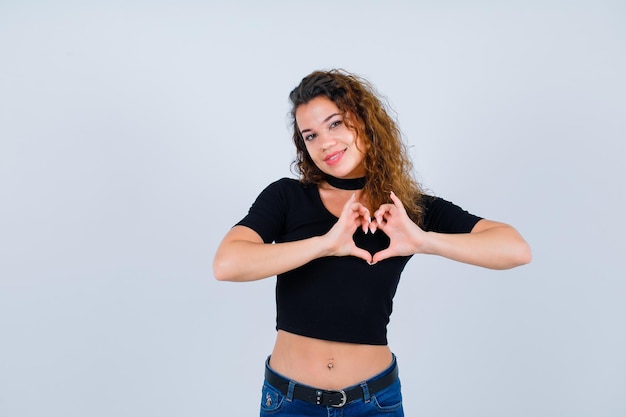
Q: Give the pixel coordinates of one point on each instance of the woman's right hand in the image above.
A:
(243, 256)
(339, 240)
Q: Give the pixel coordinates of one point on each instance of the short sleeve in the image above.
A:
(268, 212)
(445, 217)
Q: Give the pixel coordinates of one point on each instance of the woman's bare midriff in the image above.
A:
(326, 364)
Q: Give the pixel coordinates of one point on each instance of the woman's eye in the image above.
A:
(309, 137)
(335, 123)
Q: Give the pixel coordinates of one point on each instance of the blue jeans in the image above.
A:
(387, 402)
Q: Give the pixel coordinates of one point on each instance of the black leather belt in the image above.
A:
(328, 397)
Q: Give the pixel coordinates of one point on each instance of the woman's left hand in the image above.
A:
(404, 235)
(490, 244)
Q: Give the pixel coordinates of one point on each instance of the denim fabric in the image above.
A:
(387, 402)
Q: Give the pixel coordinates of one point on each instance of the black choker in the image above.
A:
(347, 183)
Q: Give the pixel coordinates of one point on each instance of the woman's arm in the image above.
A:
(243, 256)
(490, 244)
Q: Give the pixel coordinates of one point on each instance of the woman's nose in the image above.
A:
(327, 140)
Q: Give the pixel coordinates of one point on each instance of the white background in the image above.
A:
(133, 134)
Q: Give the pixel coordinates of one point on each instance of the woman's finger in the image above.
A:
(382, 210)
(397, 202)
(348, 206)
(363, 254)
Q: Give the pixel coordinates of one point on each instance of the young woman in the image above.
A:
(338, 239)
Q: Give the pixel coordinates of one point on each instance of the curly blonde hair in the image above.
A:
(387, 164)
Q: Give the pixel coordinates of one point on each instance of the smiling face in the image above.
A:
(333, 146)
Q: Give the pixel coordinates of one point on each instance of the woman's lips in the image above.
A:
(333, 158)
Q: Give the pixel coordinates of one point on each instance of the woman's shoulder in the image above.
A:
(432, 203)
(441, 215)
(289, 184)
(286, 182)
(286, 189)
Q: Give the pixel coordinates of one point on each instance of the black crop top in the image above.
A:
(344, 298)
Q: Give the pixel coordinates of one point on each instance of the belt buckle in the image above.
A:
(344, 397)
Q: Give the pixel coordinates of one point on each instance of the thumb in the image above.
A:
(363, 254)
(381, 256)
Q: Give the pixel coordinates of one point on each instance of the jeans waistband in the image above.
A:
(334, 398)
